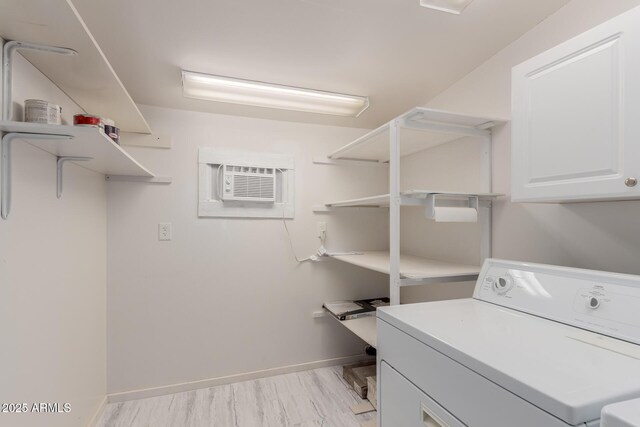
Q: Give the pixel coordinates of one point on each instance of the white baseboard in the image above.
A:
(212, 382)
(98, 414)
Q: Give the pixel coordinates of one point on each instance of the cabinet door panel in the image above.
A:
(582, 94)
(576, 117)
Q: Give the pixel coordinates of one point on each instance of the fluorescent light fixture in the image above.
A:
(450, 6)
(247, 92)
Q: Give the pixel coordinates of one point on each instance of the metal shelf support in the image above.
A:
(60, 167)
(430, 280)
(395, 200)
(5, 165)
(9, 48)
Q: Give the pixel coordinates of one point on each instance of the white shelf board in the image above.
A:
(414, 136)
(377, 147)
(372, 201)
(449, 194)
(383, 199)
(411, 267)
(108, 157)
(366, 328)
(87, 78)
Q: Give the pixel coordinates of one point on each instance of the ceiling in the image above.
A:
(394, 51)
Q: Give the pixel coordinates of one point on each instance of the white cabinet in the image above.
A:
(576, 118)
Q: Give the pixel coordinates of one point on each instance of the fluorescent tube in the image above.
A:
(247, 92)
(450, 6)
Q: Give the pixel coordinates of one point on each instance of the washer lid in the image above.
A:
(566, 371)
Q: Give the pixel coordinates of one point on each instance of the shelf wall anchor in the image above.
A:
(5, 165)
(9, 48)
(60, 167)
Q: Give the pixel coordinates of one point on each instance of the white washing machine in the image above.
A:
(536, 346)
(623, 414)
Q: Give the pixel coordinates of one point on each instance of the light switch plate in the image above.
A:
(322, 230)
(164, 231)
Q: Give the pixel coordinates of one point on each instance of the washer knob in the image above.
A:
(502, 284)
(593, 303)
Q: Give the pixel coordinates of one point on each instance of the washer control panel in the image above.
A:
(502, 284)
(607, 303)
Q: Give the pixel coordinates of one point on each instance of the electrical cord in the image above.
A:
(321, 250)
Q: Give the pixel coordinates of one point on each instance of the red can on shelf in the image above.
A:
(87, 120)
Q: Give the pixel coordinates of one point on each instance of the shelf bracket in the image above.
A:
(59, 168)
(5, 165)
(9, 48)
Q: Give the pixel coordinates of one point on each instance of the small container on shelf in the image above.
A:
(43, 112)
(113, 133)
(111, 130)
(87, 120)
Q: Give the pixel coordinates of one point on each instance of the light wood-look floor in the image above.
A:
(312, 398)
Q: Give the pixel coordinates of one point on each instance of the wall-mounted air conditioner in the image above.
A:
(244, 184)
(248, 183)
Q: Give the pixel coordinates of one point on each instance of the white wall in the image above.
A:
(226, 296)
(52, 279)
(590, 235)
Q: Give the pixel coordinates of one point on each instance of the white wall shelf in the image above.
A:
(420, 128)
(107, 157)
(408, 198)
(417, 269)
(417, 130)
(87, 146)
(363, 327)
(87, 77)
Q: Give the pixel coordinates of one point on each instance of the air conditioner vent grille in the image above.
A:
(249, 183)
(253, 187)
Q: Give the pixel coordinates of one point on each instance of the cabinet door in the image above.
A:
(576, 117)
